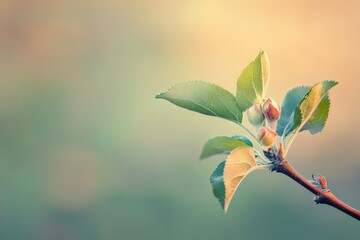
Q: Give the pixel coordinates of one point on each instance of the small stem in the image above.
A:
(263, 166)
(254, 138)
(262, 157)
(321, 196)
(289, 143)
(249, 132)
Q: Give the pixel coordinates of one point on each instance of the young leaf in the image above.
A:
(312, 111)
(291, 101)
(239, 163)
(217, 182)
(318, 119)
(205, 98)
(253, 81)
(218, 145)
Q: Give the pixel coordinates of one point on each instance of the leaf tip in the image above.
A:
(331, 83)
(202, 157)
(225, 207)
(160, 96)
(263, 53)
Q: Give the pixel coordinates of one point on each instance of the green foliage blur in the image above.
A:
(86, 151)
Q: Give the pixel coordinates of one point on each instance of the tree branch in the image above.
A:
(321, 196)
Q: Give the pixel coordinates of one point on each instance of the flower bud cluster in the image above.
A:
(264, 118)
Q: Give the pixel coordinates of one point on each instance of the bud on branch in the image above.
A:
(255, 115)
(267, 136)
(271, 111)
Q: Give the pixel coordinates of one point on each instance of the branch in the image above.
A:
(321, 196)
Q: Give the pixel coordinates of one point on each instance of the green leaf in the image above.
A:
(205, 98)
(318, 119)
(291, 101)
(310, 105)
(218, 145)
(312, 112)
(238, 165)
(253, 81)
(217, 182)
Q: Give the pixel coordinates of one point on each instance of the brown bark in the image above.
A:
(322, 196)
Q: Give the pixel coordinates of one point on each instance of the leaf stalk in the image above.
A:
(257, 142)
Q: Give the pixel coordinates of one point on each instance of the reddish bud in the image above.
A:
(267, 136)
(321, 180)
(271, 110)
(255, 115)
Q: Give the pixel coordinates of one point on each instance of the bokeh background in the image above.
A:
(87, 152)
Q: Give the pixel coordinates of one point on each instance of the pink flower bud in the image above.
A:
(271, 110)
(267, 136)
(255, 115)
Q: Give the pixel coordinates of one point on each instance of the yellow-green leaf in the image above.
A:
(318, 119)
(239, 163)
(290, 103)
(311, 113)
(253, 81)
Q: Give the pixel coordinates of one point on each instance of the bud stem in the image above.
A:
(321, 196)
(254, 138)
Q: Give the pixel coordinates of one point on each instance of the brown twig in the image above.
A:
(322, 196)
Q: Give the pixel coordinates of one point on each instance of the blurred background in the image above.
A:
(87, 152)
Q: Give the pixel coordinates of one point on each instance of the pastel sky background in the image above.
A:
(88, 153)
